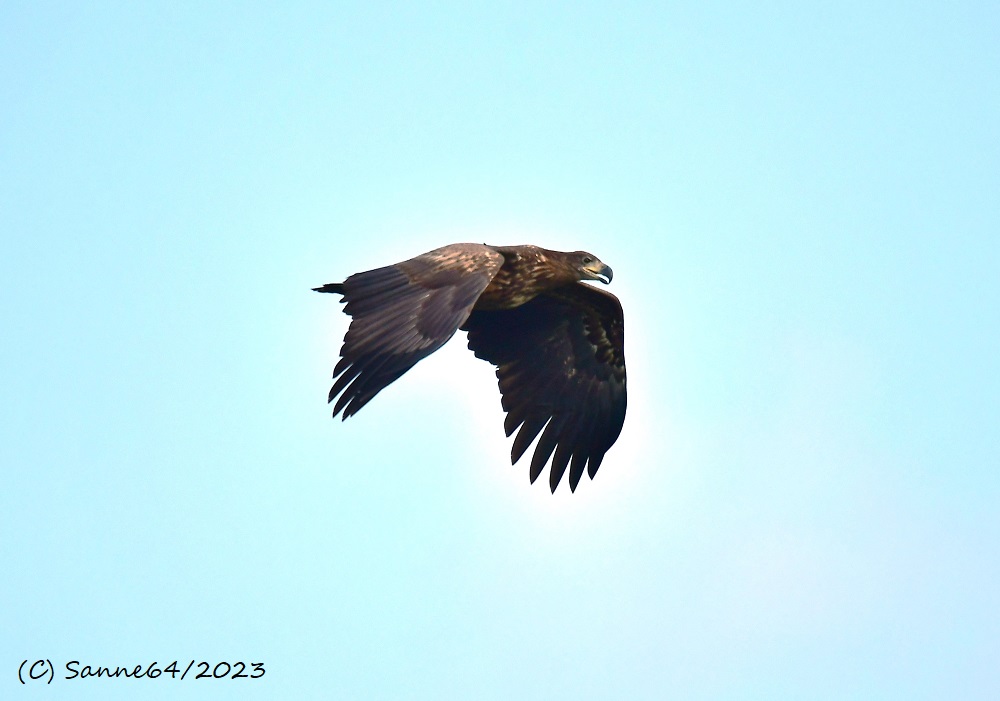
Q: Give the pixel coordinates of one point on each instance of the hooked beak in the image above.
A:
(604, 274)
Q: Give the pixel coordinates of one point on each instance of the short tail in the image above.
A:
(337, 287)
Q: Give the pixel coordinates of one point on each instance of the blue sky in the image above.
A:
(800, 204)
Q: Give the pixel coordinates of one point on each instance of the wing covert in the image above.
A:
(401, 314)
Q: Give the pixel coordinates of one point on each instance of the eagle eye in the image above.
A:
(587, 260)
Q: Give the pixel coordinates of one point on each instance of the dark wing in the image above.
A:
(402, 313)
(561, 364)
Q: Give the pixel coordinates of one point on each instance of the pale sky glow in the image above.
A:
(800, 205)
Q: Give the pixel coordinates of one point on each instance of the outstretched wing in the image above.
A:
(402, 313)
(561, 365)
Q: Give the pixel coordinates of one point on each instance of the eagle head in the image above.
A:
(591, 268)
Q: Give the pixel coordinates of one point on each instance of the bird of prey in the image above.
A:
(557, 343)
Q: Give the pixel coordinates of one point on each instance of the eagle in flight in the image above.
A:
(557, 344)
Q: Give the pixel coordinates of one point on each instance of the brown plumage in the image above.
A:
(557, 343)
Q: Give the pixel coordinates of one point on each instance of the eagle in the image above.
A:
(557, 343)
